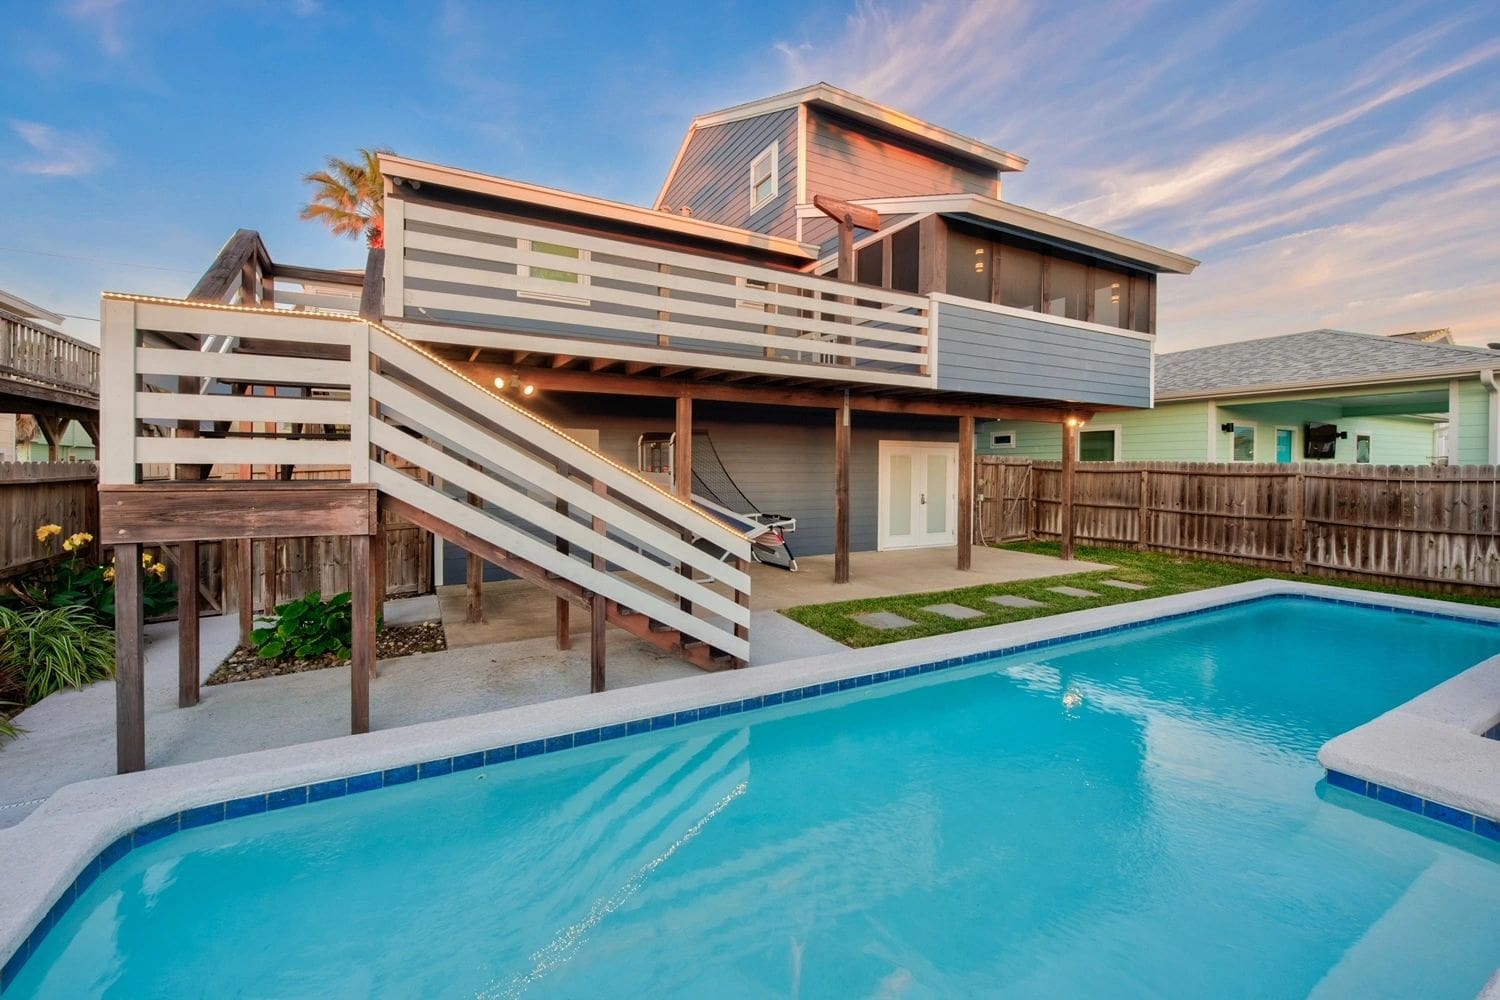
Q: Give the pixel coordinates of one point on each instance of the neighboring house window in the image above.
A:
(1362, 449)
(1003, 439)
(1286, 438)
(764, 179)
(1099, 445)
(758, 285)
(1244, 442)
(564, 278)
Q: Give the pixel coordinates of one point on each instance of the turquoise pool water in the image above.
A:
(1138, 814)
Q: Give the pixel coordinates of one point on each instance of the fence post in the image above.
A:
(1143, 514)
(1299, 522)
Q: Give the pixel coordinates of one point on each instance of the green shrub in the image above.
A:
(8, 728)
(307, 628)
(79, 582)
(49, 649)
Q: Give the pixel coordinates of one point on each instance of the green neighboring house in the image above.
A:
(1397, 400)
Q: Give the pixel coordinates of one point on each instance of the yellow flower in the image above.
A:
(77, 541)
(109, 574)
(47, 531)
(145, 559)
(160, 569)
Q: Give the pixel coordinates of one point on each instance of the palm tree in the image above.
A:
(349, 197)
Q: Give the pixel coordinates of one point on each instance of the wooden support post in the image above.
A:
(187, 624)
(130, 677)
(362, 663)
(564, 607)
(596, 643)
(245, 571)
(682, 469)
(841, 434)
(1143, 513)
(597, 607)
(965, 492)
(474, 573)
(1069, 462)
(379, 562)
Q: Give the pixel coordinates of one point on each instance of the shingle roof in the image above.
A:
(1314, 356)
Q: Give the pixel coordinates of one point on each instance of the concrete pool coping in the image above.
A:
(41, 856)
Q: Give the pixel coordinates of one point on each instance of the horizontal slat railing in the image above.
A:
(473, 270)
(545, 498)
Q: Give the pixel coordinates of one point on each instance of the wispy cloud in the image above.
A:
(105, 18)
(55, 153)
(1307, 171)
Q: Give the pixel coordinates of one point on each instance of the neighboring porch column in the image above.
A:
(130, 677)
(965, 491)
(1069, 462)
(682, 472)
(598, 609)
(841, 492)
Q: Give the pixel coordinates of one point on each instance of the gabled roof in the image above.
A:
(18, 306)
(1314, 359)
(401, 168)
(825, 95)
(1007, 216)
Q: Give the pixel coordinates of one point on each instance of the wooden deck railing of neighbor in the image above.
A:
(400, 420)
(49, 358)
(1427, 526)
(484, 281)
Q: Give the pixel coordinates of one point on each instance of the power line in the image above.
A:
(98, 260)
(91, 319)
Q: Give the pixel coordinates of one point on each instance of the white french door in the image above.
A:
(918, 494)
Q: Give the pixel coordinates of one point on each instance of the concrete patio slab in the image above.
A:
(516, 610)
(1012, 601)
(883, 620)
(1072, 592)
(955, 611)
(1124, 585)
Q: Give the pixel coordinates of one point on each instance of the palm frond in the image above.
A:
(349, 197)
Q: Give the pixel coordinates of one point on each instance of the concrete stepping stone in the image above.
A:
(956, 611)
(1072, 592)
(1124, 585)
(1012, 601)
(882, 620)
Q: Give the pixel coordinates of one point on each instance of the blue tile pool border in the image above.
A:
(1461, 819)
(318, 791)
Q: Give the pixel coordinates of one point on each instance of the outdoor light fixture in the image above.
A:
(1227, 428)
(528, 389)
(514, 382)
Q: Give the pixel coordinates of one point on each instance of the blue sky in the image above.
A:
(1333, 164)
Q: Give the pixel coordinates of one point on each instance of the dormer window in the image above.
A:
(764, 181)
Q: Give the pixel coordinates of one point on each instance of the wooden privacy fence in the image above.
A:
(37, 493)
(1429, 526)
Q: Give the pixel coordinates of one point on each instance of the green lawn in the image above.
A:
(1162, 575)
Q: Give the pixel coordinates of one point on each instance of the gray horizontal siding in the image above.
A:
(1004, 355)
(845, 161)
(713, 178)
(782, 459)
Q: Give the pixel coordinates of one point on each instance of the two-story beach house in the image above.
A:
(624, 405)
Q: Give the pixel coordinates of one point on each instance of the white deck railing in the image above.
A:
(480, 280)
(36, 354)
(543, 497)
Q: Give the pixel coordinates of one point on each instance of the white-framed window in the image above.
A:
(1362, 449)
(755, 284)
(1002, 439)
(1099, 444)
(567, 281)
(765, 180)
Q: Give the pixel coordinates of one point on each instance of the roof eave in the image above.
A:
(536, 194)
(1268, 389)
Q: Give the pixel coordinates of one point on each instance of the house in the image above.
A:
(830, 290)
(1322, 395)
(49, 387)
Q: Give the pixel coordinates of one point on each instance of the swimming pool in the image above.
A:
(1139, 813)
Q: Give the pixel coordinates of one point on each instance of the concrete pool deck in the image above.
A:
(70, 735)
(41, 856)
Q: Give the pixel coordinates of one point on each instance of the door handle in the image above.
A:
(923, 500)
